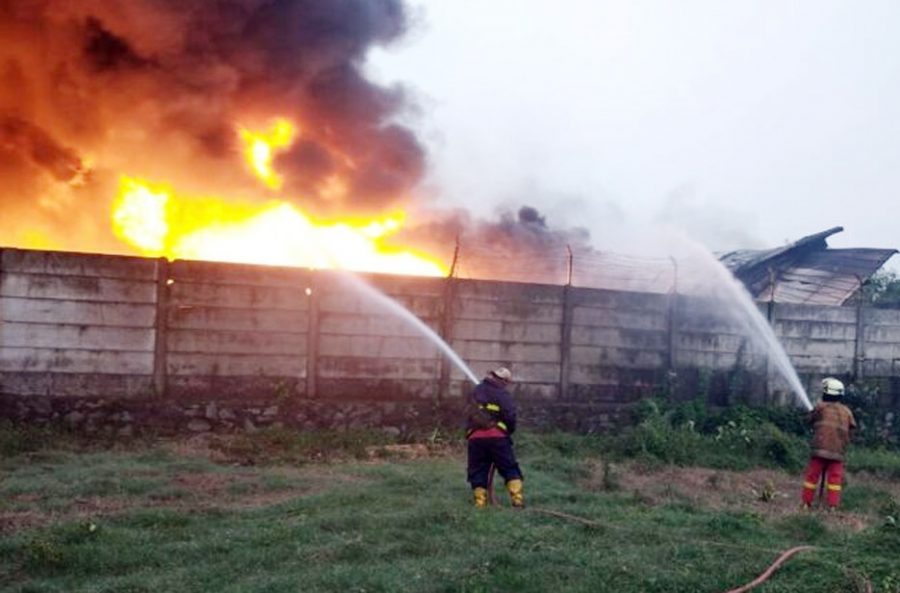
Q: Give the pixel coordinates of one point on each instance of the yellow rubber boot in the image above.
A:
(516, 493)
(481, 497)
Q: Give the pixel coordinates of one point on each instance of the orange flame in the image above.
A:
(153, 219)
(260, 149)
(156, 221)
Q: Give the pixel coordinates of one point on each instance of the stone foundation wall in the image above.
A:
(114, 417)
(123, 418)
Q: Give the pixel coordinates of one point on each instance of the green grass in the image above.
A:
(269, 520)
(881, 462)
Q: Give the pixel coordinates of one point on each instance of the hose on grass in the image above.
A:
(782, 558)
(768, 572)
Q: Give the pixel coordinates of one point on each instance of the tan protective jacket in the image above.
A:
(832, 423)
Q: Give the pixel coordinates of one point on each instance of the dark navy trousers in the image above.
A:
(497, 452)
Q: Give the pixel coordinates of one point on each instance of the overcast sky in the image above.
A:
(748, 124)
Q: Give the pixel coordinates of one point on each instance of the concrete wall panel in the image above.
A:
(377, 347)
(350, 302)
(709, 360)
(506, 292)
(87, 385)
(623, 337)
(225, 365)
(687, 342)
(512, 311)
(521, 331)
(237, 296)
(817, 330)
(617, 357)
(236, 342)
(236, 387)
(85, 337)
(76, 288)
(620, 301)
(77, 312)
(594, 317)
(61, 360)
(883, 350)
(218, 273)
(509, 351)
(539, 372)
(815, 313)
(338, 367)
(824, 348)
(77, 264)
(366, 325)
(219, 318)
(817, 364)
(379, 389)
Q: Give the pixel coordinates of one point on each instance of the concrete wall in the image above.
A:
(313, 345)
(77, 325)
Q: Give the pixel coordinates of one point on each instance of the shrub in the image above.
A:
(875, 428)
(18, 439)
(736, 438)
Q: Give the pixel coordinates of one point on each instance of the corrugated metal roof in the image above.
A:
(806, 271)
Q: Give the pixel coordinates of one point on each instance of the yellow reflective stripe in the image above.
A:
(492, 407)
(809, 485)
(502, 425)
(834, 487)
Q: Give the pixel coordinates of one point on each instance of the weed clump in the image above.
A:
(18, 439)
(691, 434)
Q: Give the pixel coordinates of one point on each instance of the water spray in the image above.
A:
(406, 315)
(751, 318)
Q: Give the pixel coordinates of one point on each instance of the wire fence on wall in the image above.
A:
(565, 267)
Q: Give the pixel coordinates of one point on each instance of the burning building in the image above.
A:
(229, 130)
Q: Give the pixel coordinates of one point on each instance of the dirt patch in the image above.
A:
(411, 451)
(195, 491)
(202, 445)
(769, 493)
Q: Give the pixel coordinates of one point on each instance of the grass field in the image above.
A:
(338, 512)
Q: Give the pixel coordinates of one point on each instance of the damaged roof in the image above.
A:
(806, 271)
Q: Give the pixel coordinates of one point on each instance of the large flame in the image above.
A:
(157, 221)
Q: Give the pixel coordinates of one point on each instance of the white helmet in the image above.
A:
(503, 374)
(832, 386)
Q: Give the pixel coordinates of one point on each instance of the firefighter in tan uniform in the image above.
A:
(833, 424)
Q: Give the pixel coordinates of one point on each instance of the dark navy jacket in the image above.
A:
(491, 392)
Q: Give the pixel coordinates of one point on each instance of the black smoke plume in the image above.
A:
(156, 88)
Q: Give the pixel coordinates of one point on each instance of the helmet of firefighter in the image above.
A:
(833, 387)
(503, 374)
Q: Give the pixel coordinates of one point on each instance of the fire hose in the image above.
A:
(782, 558)
(768, 572)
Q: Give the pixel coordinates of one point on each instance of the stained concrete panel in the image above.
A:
(33, 310)
(57, 263)
(236, 342)
(192, 317)
(222, 364)
(61, 360)
(237, 296)
(85, 337)
(76, 288)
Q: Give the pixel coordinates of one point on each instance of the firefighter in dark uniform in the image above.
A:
(491, 421)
